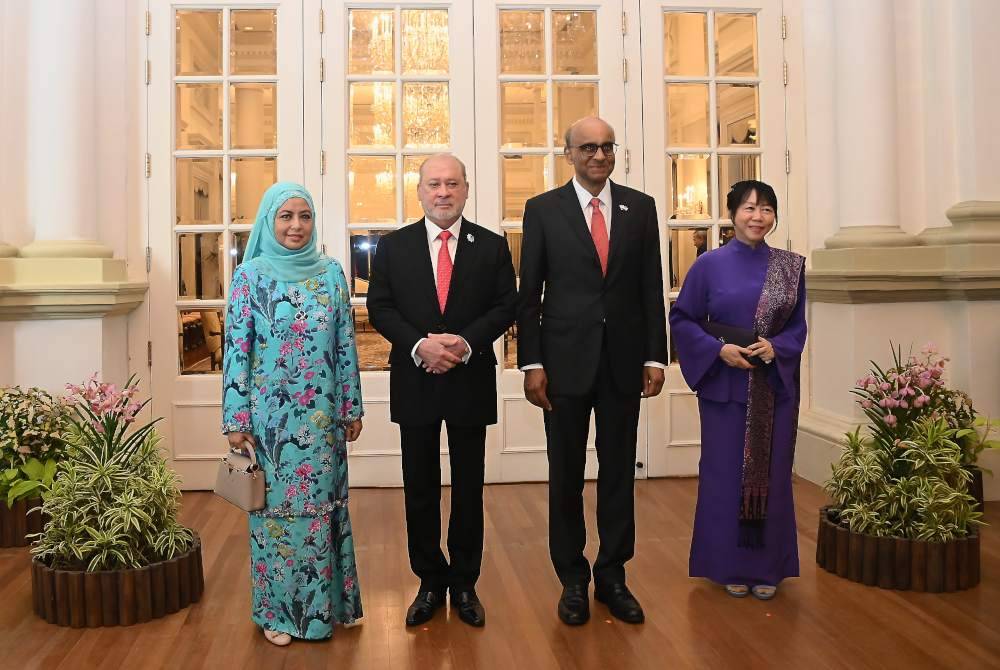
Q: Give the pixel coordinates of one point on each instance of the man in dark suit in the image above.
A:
(598, 341)
(442, 291)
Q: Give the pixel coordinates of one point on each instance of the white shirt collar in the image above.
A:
(433, 230)
(585, 196)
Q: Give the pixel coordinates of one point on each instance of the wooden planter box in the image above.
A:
(120, 597)
(897, 563)
(16, 523)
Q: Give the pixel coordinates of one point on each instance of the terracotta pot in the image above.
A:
(117, 597)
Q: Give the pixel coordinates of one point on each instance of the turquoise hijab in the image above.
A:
(264, 251)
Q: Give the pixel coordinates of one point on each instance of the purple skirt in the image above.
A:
(714, 550)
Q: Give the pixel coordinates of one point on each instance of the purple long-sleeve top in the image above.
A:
(724, 285)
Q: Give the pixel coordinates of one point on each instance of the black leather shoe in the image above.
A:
(574, 605)
(423, 607)
(470, 610)
(621, 602)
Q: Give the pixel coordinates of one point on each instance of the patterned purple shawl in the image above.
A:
(777, 301)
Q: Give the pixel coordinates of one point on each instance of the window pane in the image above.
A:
(199, 340)
(687, 115)
(685, 44)
(523, 115)
(199, 116)
(426, 116)
(574, 42)
(510, 335)
(734, 168)
(670, 339)
(689, 186)
(736, 45)
(363, 245)
(199, 43)
(372, 189)
(373, 113)
(522, 42)
(686, 244)
(252, 116)
(371, 46)
(373, 349)
(199, 272)
(571, 101)
(564, 170)
(726, 233)
(425, 41)
(412, 209)
(523, 177)
(254, 34)
(199, 191)
(238, 246)
(249, 178)
(737, 109)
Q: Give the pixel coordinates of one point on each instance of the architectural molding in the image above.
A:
(819, 441)
(21, 302)
(65, 249)
(66, 288)
(860, 287)
(871, 236)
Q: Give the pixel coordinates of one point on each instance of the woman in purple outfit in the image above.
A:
(748, 397)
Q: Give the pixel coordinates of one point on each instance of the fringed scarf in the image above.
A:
(777, 301)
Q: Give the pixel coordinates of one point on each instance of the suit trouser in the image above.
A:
(421, 447)
(566, 429)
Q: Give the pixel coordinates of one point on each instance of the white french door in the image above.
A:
(713, 114)
(398, 88)
(539, 67)
(225, 114)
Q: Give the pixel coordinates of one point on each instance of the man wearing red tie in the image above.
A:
(596, 342)
(442, 291)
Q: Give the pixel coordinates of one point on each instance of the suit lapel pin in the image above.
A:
(623, 208)
(470, 237)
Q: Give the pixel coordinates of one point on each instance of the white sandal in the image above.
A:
(277, 638)
(764, 591)
(738, 590)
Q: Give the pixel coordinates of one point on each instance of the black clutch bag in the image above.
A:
(741, 337)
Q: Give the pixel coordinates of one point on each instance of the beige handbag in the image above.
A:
(241, 481)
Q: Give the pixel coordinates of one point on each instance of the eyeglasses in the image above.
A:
(588, 150)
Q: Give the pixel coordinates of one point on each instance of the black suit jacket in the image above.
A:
(565, 332)
(403, 307)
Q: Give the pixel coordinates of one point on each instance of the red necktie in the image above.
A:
(443, 270)
(599, 232)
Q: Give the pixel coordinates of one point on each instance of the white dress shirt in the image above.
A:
(434, 243)
(585, 197)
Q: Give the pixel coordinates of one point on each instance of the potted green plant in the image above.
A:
(112, 551)
(32, 425)
(903, 516)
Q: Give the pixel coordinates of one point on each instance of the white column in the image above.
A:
(62, 129)
(865, 104)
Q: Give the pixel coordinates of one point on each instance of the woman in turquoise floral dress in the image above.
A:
(292, 393)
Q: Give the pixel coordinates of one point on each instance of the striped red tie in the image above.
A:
(443, 270)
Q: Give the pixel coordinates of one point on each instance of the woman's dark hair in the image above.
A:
(741, 191)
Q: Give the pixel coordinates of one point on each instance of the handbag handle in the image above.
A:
(250, 453)
(253, 456)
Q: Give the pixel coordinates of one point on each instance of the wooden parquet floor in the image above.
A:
(817, 621)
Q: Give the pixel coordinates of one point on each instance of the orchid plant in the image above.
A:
(113, 503)
(32, 424)
(909, 476)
